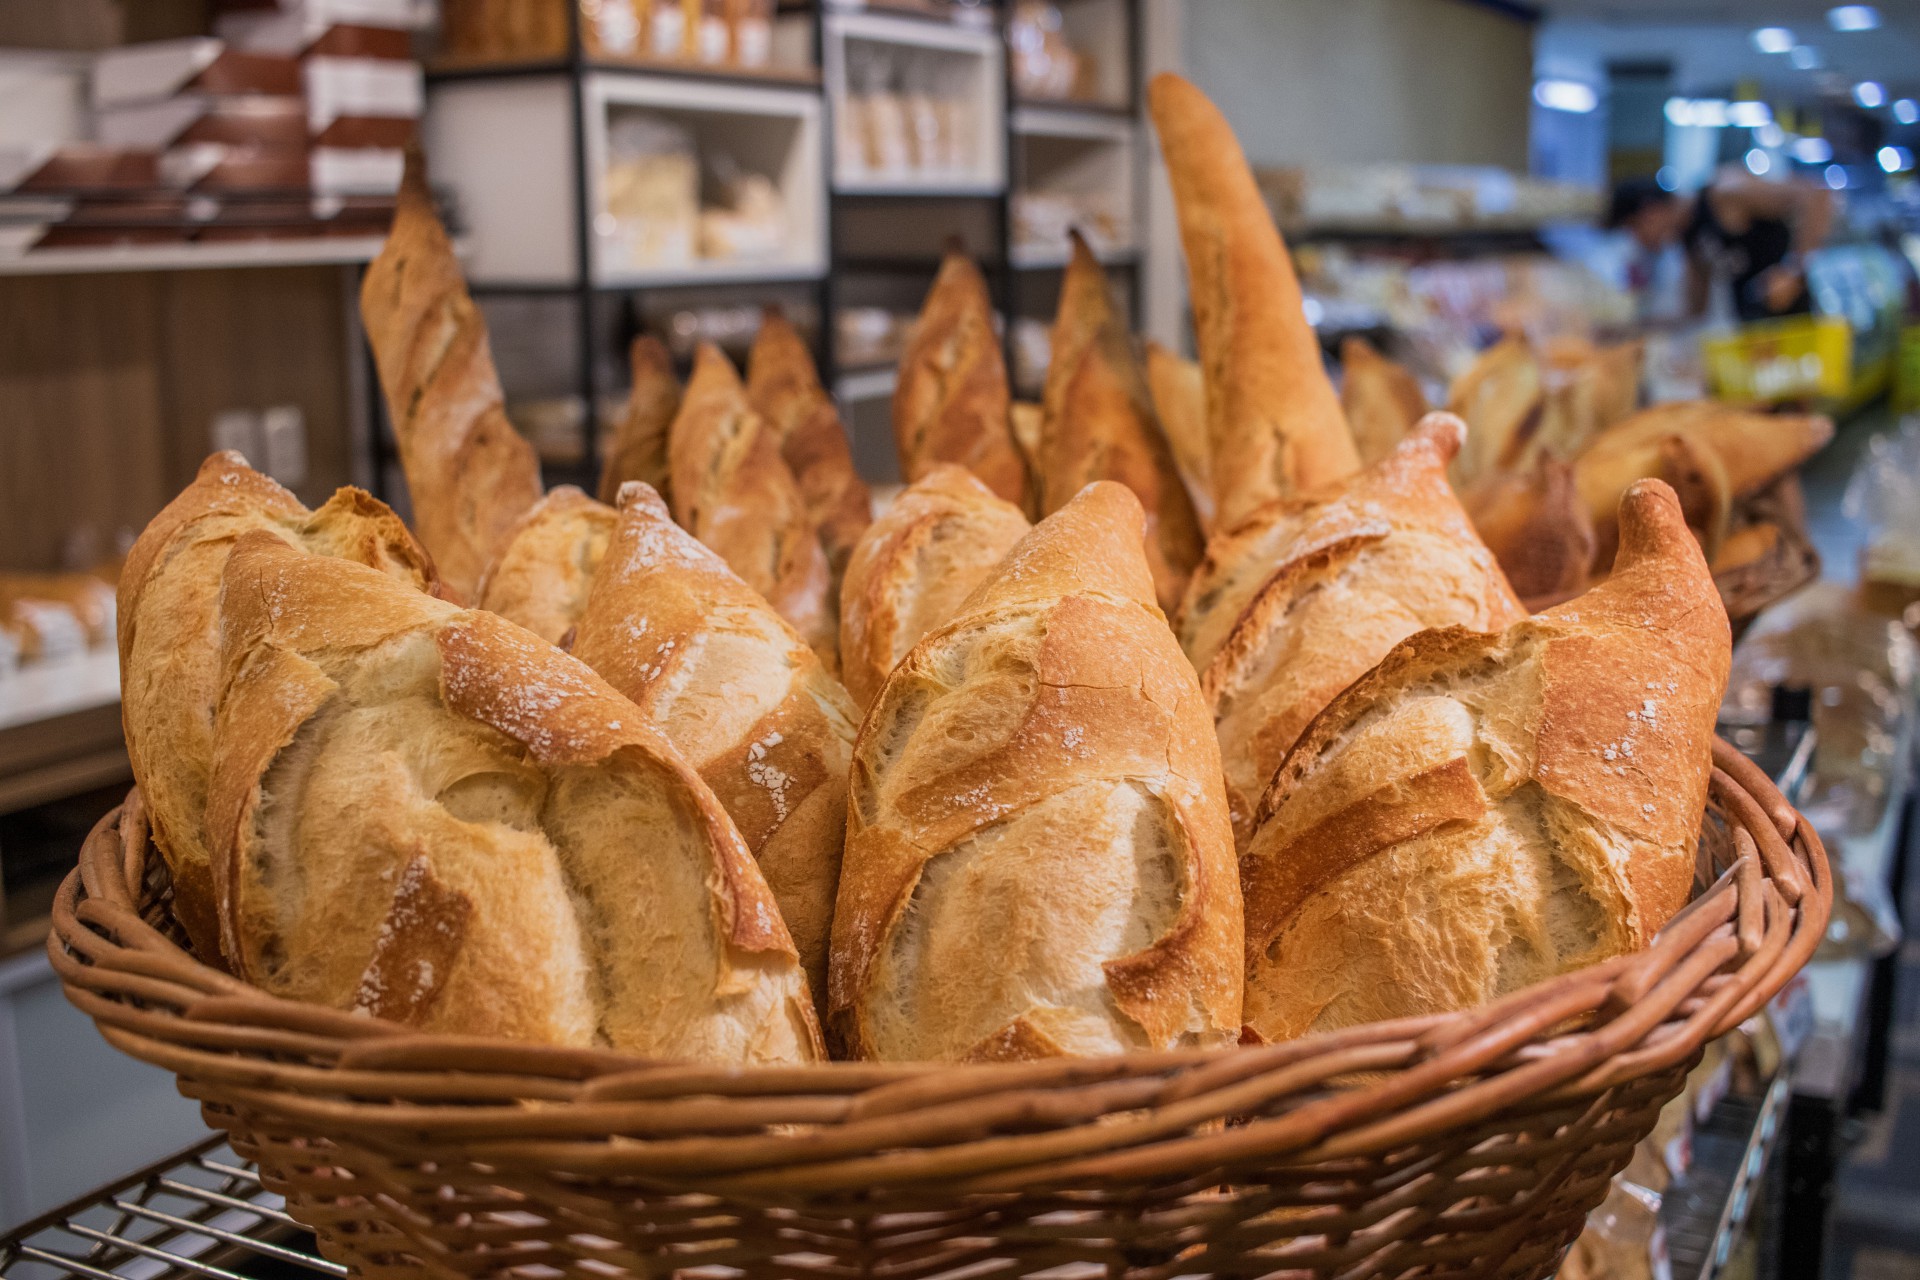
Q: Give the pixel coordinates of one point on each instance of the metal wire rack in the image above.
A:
(199, 1214)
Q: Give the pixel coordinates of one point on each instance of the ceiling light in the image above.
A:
(1836, 177)
(1812, 150)
(1895, 159)
(1705, 113)
(1773, 39)
(1566, 95)
(1853, 17)
(1749, 115)
(1906, 111)
(1758, 162)
(1805, 56)
(1665, 178)
(1770, 135)
(1869, 94)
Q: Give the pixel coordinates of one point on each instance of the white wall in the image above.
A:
(1358, 81)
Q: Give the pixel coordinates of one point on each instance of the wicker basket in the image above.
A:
(1469, 1144)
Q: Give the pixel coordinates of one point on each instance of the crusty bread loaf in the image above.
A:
(433, 815)
(469, 473)
(1274, 424)
(1536, 527)
(784, 388)
(87, 598)
(1501, 397)
(638, 450)
(1303, 598)
(741, 697)
(1099, 424)
(1180, 398)
(912, 568)
(1713, 454)
(1025, 419)
(169, 641)
(1038, 859)
(733, 491)
(1480, 812)
(1381, 397)
(546, 565)
(1587, 389)
(952, 403)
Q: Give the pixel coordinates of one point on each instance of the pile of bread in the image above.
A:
(45, 617)
(1146, 717)
(1554, 439)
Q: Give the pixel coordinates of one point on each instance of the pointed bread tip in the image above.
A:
(1445, 432)
(1652, 525)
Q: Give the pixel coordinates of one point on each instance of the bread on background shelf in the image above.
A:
(1038, 857)
(952, 403)
(743, 699)
(638, 448)
(470, 475)
(1274, 423)
(1098, 423)
(914, 566)
(1302, 598)
(1484, 810)
(734, 492)
(430, 814)
(169, 640)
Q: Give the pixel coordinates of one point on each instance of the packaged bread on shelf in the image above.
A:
(169, 638)
(914, 565)
(427, 813)
(1274, 423)
(952, 402)
(1098, 423)
(469, 474)
(1305, 596)
(740, 696)
(1038, 859)
(1485, 810)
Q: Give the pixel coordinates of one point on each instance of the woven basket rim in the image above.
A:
(999, 1127)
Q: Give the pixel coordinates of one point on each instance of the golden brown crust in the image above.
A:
(1274, 423)
(1482, 810)
(1099, 424)
(1305, 596)
(952, 403)
(469, 473)
(365, 727)
(732, 491)
(546, 564)
(1587, 390)
(1381, 397)
(1536, 527)
(638, 450)
(739, 695)
(168, 639)
(1180, 398)
(784, 387)
(1501, 398)
(913, 567)
(1038, 782)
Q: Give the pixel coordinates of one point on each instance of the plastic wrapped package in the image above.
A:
(1623, 1239)
(610, 28)
(652, 192)
(1884, 496)
(751, 22)
(1044, 64)
(750, 227)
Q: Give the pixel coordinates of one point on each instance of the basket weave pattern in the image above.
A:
(1464, 1144)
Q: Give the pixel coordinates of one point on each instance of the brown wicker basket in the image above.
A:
(1467, 1144)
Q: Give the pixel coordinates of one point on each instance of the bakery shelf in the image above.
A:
(712, 272)
(451, 70)
(187, 256)
(1048, 258)
(869, 384)
(1062, 120)
(884, 185)
(956, 64)
(1705, 1213)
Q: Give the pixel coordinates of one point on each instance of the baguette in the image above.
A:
(169, 642)
(1298, 602)
(1588, 390)
(1274, 425)
(430, 814)
(1481, 812)
(732, 491)
(912, 568)
(1381, 397)
(1038, 859)
(1501, 397)
(739, 695)
(545, 568)
(1180, 398)
(1536, 527)
(638, 450)
(1098, 423)
(469, 473)
(784, 388)
(952, 403)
